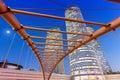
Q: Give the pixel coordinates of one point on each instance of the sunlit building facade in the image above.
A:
(83, 61)
(100, 54)
(60, 68)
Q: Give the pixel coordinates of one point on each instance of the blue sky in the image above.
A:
(93, 10)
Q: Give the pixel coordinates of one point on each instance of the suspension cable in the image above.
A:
(30, 61)
(57, 3)
(21, 51)
(117, 35)
(35, 63)
(38, 20)
(100, 9)
(26, 59)
(91, 16)
(7, 54)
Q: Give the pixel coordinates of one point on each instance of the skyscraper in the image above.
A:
(84, 62)
(60, 68)
(99, 52)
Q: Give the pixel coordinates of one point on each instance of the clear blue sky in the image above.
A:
(93, 10)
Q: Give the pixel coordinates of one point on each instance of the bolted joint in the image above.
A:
(21, 27)
(26, 38)
(111, 27)
(31, 44)
(7, 10)
(33, 48)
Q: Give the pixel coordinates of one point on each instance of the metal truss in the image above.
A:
(52, 56)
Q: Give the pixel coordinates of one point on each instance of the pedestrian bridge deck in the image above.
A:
(7, 74)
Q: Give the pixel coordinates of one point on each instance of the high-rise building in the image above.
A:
(60, 68)
(99, 52)
(84, 62)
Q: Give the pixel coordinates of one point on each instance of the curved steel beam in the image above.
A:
(112, 26)
(9, 17)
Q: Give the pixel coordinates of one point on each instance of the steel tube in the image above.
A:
(55, 17)
(57, 39)
(56, 31)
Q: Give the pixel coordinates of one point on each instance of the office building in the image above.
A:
(84, 61)
(99, 52)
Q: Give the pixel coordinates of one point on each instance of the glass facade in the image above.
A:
(100, 54)
(84, 61)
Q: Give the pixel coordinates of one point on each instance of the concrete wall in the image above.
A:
(7, 74)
